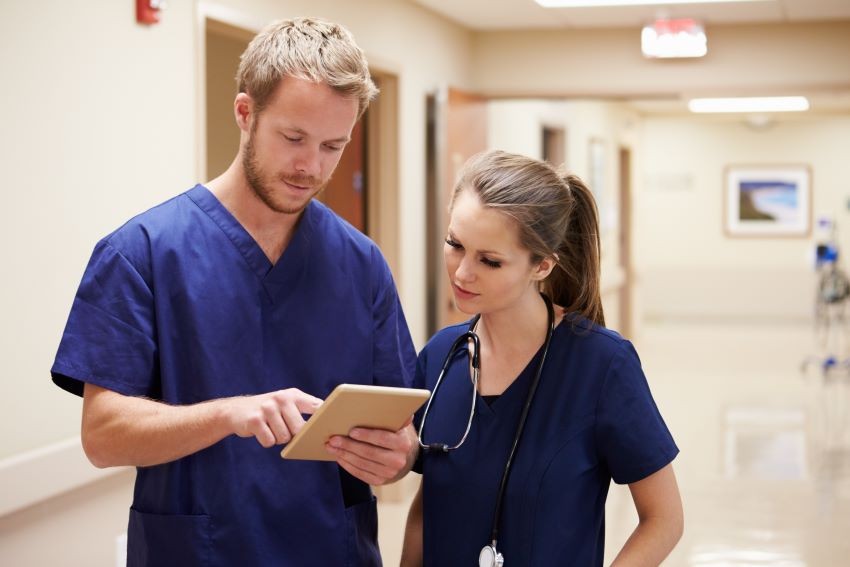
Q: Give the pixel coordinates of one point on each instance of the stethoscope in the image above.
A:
(489, 556)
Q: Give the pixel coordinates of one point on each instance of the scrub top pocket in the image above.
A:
(168, 540)
(361, 522)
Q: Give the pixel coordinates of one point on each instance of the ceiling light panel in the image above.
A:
(750, 104)
(615, 3)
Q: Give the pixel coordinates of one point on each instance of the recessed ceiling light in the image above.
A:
(750, 104)
(601, 3)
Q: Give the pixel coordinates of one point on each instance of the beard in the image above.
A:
(258, 180)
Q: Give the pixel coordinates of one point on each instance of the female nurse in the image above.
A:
(535, 405)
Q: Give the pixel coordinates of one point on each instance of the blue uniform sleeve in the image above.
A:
(110, 336)
(394, 355)
(631, 435)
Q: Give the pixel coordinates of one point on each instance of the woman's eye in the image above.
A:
(452, 243)
(491, 263)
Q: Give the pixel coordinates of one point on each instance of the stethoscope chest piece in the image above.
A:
(489, 557)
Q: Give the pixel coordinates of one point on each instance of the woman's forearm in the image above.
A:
(650, 543)
(660, 524)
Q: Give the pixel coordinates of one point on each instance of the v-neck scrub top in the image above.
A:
(592, 420)
(181, 305)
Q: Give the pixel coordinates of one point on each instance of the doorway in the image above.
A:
(554, 145)
(456, 130)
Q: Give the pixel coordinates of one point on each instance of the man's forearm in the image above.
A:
(123, 430)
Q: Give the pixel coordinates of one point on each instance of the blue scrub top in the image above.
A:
(592, 419)
(181, 305)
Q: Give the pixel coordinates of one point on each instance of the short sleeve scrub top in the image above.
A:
(593, 419)
(181, 305)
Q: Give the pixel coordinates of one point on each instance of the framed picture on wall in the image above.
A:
(768, 200)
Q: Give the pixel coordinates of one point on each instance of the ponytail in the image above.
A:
(555, 214)
(574, 283)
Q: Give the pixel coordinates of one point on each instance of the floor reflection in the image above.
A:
(765, 463)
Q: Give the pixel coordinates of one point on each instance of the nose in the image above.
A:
(308, 162)
(465, 272)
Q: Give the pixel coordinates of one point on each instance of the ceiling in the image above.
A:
(492, 15)
(526, 14)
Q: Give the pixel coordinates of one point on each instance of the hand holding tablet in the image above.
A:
(349, 406)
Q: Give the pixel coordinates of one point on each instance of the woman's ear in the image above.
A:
(544, 268)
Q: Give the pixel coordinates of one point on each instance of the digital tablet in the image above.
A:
(349, 406)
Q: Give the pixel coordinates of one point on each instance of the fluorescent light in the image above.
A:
(750, 104)
(601, 3)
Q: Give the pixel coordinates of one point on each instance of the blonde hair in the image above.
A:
(305, 48)
(556, 216)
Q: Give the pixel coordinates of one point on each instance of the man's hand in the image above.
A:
(122, 430)
(376, 456)
(272, 418)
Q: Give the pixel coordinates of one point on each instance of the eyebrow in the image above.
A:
(343, 140)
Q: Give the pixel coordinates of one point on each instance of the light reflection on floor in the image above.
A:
(765, 463)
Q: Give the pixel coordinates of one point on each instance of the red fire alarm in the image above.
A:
(147, 11)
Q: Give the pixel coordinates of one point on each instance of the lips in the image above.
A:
(301, 183)
(462, 293)
(297, 187)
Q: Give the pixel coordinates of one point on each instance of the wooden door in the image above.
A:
(457, 130)
(347, 188)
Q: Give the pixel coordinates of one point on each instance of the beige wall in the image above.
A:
(98, 125)
(688, 266)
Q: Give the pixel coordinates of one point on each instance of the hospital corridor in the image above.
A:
(714, 138)
(765, 466)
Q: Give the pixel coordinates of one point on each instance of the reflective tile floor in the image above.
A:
(764, 468)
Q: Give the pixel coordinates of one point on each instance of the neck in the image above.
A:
(518, 329)
(271, 230)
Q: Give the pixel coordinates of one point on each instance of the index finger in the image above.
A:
(306, 403)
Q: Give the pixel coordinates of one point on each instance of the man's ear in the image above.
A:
(544, 268)
(243, 109)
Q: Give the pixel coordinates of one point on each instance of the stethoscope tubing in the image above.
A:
(532, 389)
(476, 367)
(460, 341)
